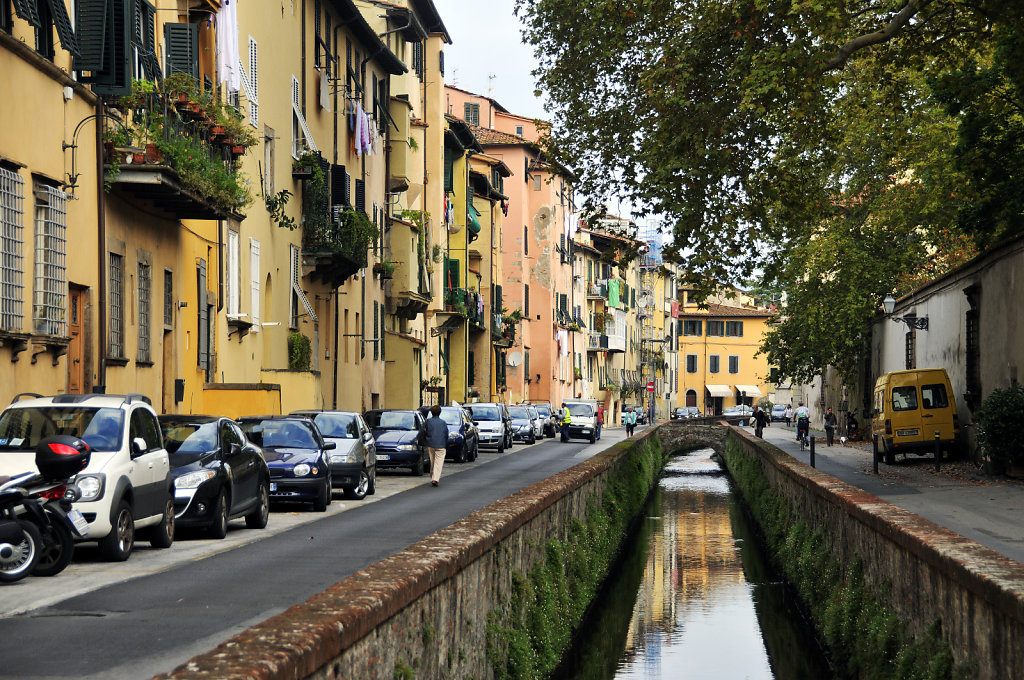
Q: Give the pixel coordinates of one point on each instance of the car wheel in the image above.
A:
(533, 439)
(117, 545)
(56, 551)
(463, 453)
(501, 445)
(358, 492)
(257, 519)
(593, 438)
(372, 487)
(219, 528)
(323, 499)
(417, 468)
(162, 535)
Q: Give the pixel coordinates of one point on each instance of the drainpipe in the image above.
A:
(101, 227)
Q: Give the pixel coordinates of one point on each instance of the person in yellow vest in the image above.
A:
(566, 420)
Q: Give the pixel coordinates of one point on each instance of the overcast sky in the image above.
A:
(486, 41)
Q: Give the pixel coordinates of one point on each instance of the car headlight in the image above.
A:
(452, 436)
(91, 486)
(301, 470)
(192, 480)
(406, 447)
(349, 457)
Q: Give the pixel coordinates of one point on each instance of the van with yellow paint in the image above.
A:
(910, 407)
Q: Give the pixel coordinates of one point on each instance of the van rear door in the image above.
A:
(936, 405)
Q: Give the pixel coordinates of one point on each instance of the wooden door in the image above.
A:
(76, 367)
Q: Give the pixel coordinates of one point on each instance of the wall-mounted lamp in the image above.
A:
(889, 304)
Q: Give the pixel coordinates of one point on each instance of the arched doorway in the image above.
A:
(691, 397)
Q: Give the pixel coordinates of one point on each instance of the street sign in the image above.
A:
(650, 387)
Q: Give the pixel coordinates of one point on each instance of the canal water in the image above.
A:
(693, 596)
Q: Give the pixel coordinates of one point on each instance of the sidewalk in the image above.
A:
(989, 510)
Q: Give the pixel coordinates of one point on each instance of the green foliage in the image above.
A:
(316, 212)
(209, 177)
(1000, 422)
(276, 204)
(403, 671)
(299, 352)
(358, 233)
(861, 633)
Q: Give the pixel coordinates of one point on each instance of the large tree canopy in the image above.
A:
(768, 131)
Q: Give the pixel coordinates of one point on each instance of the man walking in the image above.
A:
(435, 438)
(830, 426)
(600, 419)
(760, 421)
(566, 421)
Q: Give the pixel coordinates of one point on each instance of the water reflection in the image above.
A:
(693, 597)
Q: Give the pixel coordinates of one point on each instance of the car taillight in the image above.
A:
(888, 426)
(56, 493)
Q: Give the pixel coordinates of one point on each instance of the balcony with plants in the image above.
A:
(466, 303)
(178, 146)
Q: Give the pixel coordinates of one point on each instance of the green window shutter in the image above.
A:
(471, 367)
(376, 322)
(316, 33)
(91, 18)
(106, 51)
(182, 45)
(62, 23)
(449, 170)
(632, 297)
(451, 276)
(26, 9)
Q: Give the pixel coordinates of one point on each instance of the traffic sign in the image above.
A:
(650, 386)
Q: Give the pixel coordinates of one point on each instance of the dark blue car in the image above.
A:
(463, 440)
(396, 434)
(296, 454)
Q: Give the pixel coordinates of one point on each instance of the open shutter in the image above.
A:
(449, 170)
(182, 48)
(254, 83)
(91, 20)
(26, 9)
(62, 23)
(254, 278)
(104, 30)
(204, 320)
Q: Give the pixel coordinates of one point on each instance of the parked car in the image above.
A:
(493, 423)
(778, 412)
(680, 413)
(538, 421)
(396, 434)
(353, 461)
(218, 474)
(296, 454)
(693, 412)
(463, 440)
(522, 425)
(127, 486)
(549, 417)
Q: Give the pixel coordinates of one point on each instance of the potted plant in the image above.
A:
(305, 165)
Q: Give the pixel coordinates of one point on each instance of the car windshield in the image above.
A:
(23, 428)
(189, 438)
(534, 413)
(451, 416)
(293, 434)
(519, 413)
(485, 413)
(580, 409)
(337, 425)
(544, 410)
(391, 420)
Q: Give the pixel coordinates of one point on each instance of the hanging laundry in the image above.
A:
(226, 35)
(357, 134)
(365, 123)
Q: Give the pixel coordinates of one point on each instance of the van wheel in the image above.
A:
(890, 457)
(117, 545)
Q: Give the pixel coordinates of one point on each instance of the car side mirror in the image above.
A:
(330, 445)
(367, 437)
(234, 449)
(138, 446)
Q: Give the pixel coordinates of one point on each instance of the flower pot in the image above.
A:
(139, 157)
(238, 150)
(217, 130)
(302, 171)
(153, 154)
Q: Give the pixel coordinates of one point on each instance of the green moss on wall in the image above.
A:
(864, 637)
(527, 637)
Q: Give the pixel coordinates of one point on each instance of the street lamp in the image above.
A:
(889, 304)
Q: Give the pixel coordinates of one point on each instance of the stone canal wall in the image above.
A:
(496, 594)
(892, 593)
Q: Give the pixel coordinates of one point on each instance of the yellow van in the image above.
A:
(910, 407)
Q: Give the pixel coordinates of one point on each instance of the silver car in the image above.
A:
(353, 462)
(538, 422)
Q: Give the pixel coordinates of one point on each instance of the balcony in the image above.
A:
(177, 151)
(409, 284)
(336, 248)
(613, 343)
(466, 303)
(597, 290)
(594, 342)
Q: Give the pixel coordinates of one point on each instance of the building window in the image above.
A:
(536, 182)
(716, 329)
(713, 363)
(526, 301)
(692, 327)
(232, 276)
(734, 363)
(6, 17)
(254, 285)
(773, 376)
(519, 130)
(910, 358)
(168, 299)
(254, 83)
(691, 363)
(526, 240)
(376, 335)
(734, 329)
(116, 267)
(51, 289)
(12, 246)
(472, 113)
(145, 300)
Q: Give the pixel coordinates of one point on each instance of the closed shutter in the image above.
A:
(233, 275)
(62, 23)
(417, 59)
(449, 170)
(91, 18)
(340, 186)
(361, 195)
(254, 284)
(254, 83)
(316, 33)
(203, 331)
(451, 276)
(182, 48)
(440, 61)
(526, 301)
(376, 336)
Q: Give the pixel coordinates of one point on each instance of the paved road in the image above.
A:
(984, 509)
(160, 608)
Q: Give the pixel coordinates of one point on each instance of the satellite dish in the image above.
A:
(514, 359)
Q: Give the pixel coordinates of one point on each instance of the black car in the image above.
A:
(353, 461)
(523, 428)
(463, 440)
(296, 454)
(396, 434)
(680, 413)
(218, 474)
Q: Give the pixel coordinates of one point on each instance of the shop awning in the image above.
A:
(719, 390)
(748, 390)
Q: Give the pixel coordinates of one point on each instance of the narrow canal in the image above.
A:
(694, 596)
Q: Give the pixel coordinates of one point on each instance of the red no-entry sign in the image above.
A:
(650, 387)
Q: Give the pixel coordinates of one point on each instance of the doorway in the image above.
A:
(76, 345)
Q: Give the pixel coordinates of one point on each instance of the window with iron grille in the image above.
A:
(713, 362)
(911, 350)
(145, 301)
(12, 245)
(168, 298)
(116, 284)
(734, 329)
(692, 327)
(51, 284)
(734, 363)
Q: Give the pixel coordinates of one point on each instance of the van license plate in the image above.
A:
(78, 521)
(383, 456)
(906, 433)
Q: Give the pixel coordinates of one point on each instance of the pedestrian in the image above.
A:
(566, 421)
(435, 438)
(630, 420)
(851, 426)
(803, 421)
(830, 426)
(789, 415)
(600, 419)
(761, 420)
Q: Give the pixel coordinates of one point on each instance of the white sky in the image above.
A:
(486, 41)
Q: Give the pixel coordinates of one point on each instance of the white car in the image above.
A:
(538, 422)
(127, 486)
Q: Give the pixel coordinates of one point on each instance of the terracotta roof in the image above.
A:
(489, 136)
(714, 310)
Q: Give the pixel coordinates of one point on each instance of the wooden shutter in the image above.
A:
(204, 320)
(26, 9)
(316, 33)
(254, 284)
(91, 18)
(182, 49)
(340, 186)
(440, 61)
(62, 23)
(361, 195)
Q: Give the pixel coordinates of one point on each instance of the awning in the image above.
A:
(471, 218)
(748, 390)
(719, 390)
